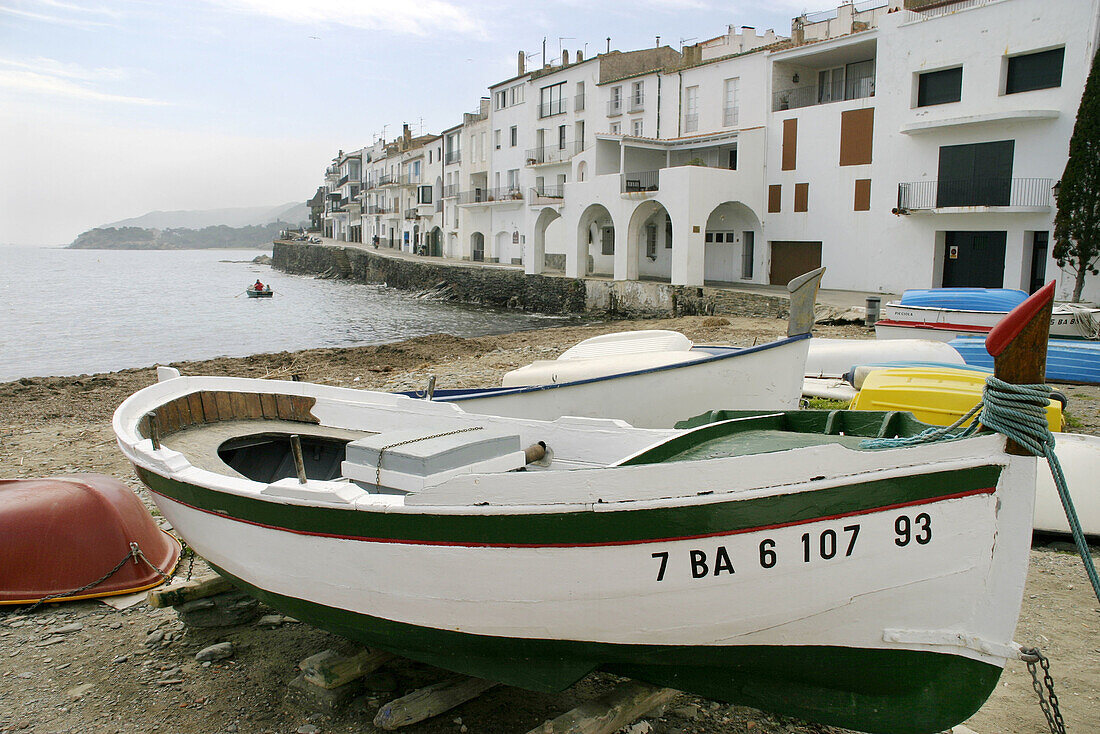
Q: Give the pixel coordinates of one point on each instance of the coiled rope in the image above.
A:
(1018, 412)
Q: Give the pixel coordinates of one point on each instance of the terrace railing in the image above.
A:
(941, 193)
(640, 181)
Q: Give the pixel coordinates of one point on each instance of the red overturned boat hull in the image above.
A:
(61, 533)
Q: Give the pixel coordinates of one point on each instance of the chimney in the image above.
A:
(609, 44)
(658, 44)
(521, 63)
(565, 57)
(580, 56)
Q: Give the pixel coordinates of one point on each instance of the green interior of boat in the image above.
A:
(721, 433)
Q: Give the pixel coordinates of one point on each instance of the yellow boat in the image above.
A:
(936, 395)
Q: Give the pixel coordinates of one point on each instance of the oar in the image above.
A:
(241, 293)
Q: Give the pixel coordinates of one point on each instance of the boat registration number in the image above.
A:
(828, 544)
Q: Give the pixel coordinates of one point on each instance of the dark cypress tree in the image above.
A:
(1077, 223)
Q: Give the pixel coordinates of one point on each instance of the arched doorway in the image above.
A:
(435, 242)
(536, 261)
(452, 245)
(596, 241)
(649, 243)
(477, 246)
(731, 252)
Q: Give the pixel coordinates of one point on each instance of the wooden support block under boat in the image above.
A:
(186, 591)
(626, 702)
(328, 669)
(430, 701)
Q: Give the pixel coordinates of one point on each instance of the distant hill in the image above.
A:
(293, 213)
(142, 238)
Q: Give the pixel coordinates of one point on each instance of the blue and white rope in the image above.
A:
(1018, 412)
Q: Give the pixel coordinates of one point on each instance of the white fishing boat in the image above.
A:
(944, 314)
(772, 561)
(604, 376)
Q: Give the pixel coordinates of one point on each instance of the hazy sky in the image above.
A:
(110, 109)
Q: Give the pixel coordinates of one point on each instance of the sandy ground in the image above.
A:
(106, 674)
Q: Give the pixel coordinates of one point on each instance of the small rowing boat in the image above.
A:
(60, 538)
(746, 560)
(604, 376)
(1068, 360)
(259, 292)
(946, 313)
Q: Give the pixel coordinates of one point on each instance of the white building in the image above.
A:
(899, 148)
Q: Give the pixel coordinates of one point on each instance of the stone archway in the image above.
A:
(535, 260)
(435, 242)
(500, 251)
(648, 243)
(732, 250)
(477, 246)
(595, 244)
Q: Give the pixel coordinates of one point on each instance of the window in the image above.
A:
(1041, 70)
(616, 128)
(615, 106)
(637, 96)
(481, 145)
(977, 174)
(746, 253)
(830, 85)
(578, 134)
(501, 99)
(939, 87)
(691, 109)
(732, 159)
(729, 104)
(515, 95)
(414, 169)
(552, 100)
(668, 233)
(561, 137)
(513, 135)
(423, 194)
(651, 241)
(637, 127)
(496, 139)
(513, 179)
(856, 136)
(578, 101)
(429, 157)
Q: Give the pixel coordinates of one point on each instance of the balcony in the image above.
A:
(343, 180)
(637, 102)
(615, 107)
(392, 179)
(640, 181)
(450, 191)
(488, 196)
(578, 103)
(411, 213)
(553, 153)
(554, 107)
(1018, 193)
(452, 156)
(376, 209)
(556, 193)
(854, 87)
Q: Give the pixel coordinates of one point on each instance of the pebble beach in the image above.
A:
(86, 667)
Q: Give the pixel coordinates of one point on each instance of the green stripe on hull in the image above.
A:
(582, 527)
(879, 691)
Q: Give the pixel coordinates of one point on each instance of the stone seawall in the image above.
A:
(510, 288)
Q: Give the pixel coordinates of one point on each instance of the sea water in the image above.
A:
(69, 312)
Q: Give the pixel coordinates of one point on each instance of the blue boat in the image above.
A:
(965, 299)
(1068, 360)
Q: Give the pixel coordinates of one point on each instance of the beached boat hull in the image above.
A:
(765, 377)
(876, 590)
(900, 321)
(60, 534)
(1068, 360)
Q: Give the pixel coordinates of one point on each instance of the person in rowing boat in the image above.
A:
(258, 286)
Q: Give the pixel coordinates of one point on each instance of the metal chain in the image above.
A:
(135, 553)
(1048, 700)
(378, 467)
